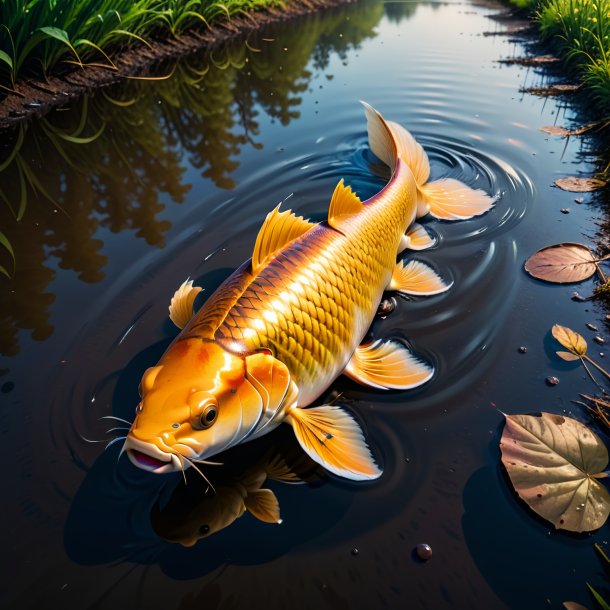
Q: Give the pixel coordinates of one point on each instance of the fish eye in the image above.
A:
(208, 417)
(139, 408)
(204, 529)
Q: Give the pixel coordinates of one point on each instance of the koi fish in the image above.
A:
(274, 335)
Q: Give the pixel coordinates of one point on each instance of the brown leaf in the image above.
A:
(580, 185)
(552, 462)
(562, 263)
(568, 356)
(555, 131)
(570, 340)
(574, 606)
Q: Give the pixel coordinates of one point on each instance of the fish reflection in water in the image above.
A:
(196, 511)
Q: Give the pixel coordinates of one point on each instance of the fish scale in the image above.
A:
(281, 309)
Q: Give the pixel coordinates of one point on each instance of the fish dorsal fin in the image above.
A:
(344, 203)
(278, 230)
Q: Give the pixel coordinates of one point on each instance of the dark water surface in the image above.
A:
(177, 184)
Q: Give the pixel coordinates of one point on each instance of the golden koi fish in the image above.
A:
(274, 336)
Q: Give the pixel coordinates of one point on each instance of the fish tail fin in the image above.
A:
(447, 199)
(381, 139)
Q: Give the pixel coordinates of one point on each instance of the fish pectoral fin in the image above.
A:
(263, 504)
(181, 305)
(331, 437)
(344, 203)
(387, 365)
(278, 230)
(449, 199)
(416, 279)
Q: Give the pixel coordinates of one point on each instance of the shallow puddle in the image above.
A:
(129, 193)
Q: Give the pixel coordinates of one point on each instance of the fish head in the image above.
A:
(199, 400)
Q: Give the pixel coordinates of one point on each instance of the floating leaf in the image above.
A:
(574, 606)
(562, 263)
(554, 463)
(570, 340)
(554, 130)
(568, 356)
(580, 185)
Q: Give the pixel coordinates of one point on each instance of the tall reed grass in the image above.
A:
(35, 35)
(580, 29)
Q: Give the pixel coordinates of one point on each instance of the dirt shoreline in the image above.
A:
(36, 97)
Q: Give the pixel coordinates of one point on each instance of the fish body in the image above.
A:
(288, 322)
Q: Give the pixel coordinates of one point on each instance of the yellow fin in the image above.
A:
(419, 238)
(417, 279)
(278, 230)
(344, 203)
(263, 504)
(333, 439)
(181, 305)
(411, 152)
(381, 138)
(450, 199)
(387, 365)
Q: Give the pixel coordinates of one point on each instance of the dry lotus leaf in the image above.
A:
(570, 340)
(554, 464)
(580, 185)
(562, 263)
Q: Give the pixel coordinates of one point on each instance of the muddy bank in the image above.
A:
(33, 98)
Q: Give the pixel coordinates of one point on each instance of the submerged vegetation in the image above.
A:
(580, 29)
(38, 34)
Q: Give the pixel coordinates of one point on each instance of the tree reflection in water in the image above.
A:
(116, 159)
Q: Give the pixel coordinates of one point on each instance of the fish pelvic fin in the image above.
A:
(450, 199)
(417, 279)
(263, 504)
(181, 305)
(418, 238)
(343, 204)
(331, 437)
(278, 230)
(387, 365)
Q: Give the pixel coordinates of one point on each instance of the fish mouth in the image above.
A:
(149, 457)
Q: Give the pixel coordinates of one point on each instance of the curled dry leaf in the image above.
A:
(570, 340)
(554, 464)
(580, 185)
(554, 130)
(574, 606)
(562, 263)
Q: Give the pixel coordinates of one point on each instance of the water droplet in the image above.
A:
(552, 380)
(355, 551)
(565, 210)
(523, 349)
(424, 551)
(591, 326)
(579, 199)
(599, 339)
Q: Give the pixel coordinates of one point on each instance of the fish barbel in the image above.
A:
(288, 322)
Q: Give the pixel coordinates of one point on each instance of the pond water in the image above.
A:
(176, 184)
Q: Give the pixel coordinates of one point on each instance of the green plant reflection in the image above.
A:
(115, 161)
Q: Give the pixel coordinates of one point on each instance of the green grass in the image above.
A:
(580, 29)
(36, 35)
